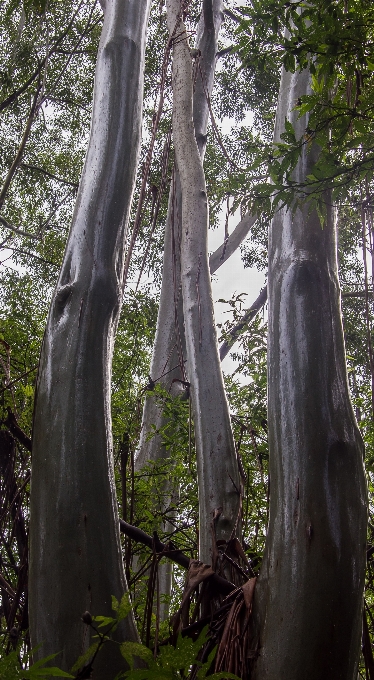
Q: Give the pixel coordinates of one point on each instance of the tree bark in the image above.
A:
(76, 561)
(308, 601)
(218, 476)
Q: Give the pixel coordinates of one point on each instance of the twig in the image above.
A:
(19, 378)
(246, 318)
(13, 168)
(17, 230)
(27, 166)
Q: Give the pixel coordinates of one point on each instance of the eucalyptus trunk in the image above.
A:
(218, 477)
(308, 599)
(76, 561)
(168, 365)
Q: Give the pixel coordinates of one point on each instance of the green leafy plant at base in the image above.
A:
(11, 668)
(84, 665)
(172, 663)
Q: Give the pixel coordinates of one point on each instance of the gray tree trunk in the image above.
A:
(218, 477)
(168, 365)
(76, 561)
(308, 598)
(169, 351)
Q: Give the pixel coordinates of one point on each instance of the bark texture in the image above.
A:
(76, 561)
(308, 598)
(218, 476)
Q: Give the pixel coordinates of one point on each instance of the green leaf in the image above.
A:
(131, 649)
(104, 621)
(84, 658)
(122, 608)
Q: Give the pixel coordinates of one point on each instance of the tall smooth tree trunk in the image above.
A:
(218, 477)
(169, 351)
(76, 561)
(168, 365)
(308, 599)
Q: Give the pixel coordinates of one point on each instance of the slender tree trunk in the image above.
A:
(76, 561)
(218, 476)
(169, 351)
(168, 364)
(308, 600)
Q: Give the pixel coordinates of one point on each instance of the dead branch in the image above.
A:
(168, 550)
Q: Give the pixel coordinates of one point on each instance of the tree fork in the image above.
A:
(76, 561)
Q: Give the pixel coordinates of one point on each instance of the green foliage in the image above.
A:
(12, 668)
(171, 663)
(104, 627)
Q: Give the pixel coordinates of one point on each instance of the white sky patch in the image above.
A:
(232, 278)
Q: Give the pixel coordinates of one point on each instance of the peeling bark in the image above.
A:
(308, 601)
(76, 561)
(218, 477)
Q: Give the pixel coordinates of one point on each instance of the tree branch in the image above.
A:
(19, 154)
(232, 15)
(12, 97)
(226, 50)
(17, 230)
(27, 166)
(246, 318)
(232, 243)
(171, 553)
(11, 423)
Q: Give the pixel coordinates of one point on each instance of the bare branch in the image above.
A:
(13, 427)
(232, 243)
(27, 166)
(226, 50)
(240, 327)
(19, 154)
(168, 550)
(17, 230)
(229, 13)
